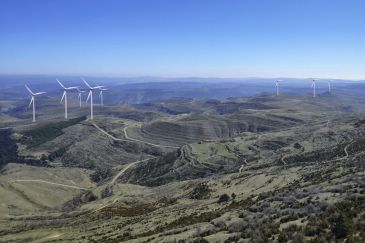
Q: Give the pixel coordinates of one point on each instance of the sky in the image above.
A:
(184, 38)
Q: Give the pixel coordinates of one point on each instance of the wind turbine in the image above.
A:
(80, 95)
(101, 95)
(314, 87)
(64, 96)
(329, 86)
(90, 96)
(32, 100)
(277, 86)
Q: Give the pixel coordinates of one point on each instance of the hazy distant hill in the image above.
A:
(147, 89)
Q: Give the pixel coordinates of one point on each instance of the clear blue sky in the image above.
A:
(173, 38)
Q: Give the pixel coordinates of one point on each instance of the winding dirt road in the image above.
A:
(345, 150)
(152, 144)
(127, 138)
(126, 168)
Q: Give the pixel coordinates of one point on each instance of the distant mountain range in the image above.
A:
(147, 89)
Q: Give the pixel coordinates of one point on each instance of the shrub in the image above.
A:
(223, 198)
(200, 191)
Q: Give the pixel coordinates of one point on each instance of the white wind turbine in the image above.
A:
(277, 82)
(64, 96)
(90, 96)
(80, 95)
(32, 100)
(101, 96)
(314, 87)
(329, 86)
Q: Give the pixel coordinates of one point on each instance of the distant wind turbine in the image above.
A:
(329, 86)
(277, 82)
(80, 95)
(314, 87)
(64, 96)
(32, 100)
(90, 96)
(101, 95)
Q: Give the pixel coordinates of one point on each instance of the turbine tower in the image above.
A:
(101, 96)
(32, 100)
(329, 86)
(64, 96)
(90, 96)
(314, 87)
(277, 82)
(80, 95)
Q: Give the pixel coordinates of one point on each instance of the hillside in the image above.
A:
(264, 168)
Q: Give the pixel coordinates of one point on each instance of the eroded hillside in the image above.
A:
(264, 168)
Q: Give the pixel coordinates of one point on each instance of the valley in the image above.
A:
(264, 168)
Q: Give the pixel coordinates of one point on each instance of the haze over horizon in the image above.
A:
(184, 39)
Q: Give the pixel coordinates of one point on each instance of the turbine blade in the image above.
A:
(31, 101)
(39, 93)
(63, 96)
(88, 97)
(30, 91)
(61, 84)
(88, 85)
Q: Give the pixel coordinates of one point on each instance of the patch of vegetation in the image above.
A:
(128, 212)
(9, 152)
(57, 154)
(82, 198)
(200, 191)
(8, 148)
(100, 174)
(37, 136)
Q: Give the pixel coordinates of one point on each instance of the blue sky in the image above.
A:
(180, 38)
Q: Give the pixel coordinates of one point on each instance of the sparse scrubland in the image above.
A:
(261, 169)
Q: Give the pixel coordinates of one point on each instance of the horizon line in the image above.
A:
(175, 77)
